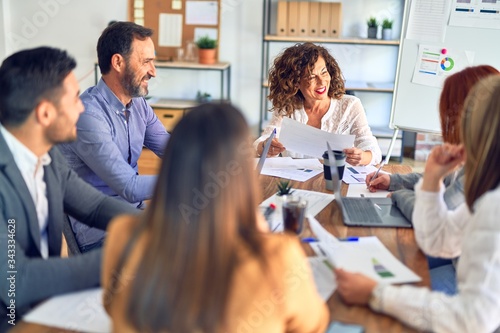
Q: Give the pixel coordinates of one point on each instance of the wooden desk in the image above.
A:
(400, 241)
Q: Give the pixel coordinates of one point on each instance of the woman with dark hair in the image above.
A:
(451, 102)
(472, 231)
(306, 84)
(197, 260)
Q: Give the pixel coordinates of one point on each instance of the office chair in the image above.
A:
(73, 248)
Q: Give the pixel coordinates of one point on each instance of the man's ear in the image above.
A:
(45, 113)
(118, 62)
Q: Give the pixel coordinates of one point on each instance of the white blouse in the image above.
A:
(345, 116)
(476, 239)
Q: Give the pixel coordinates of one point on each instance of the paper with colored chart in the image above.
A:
(357, 174)
(365, 255)
(324, 278)
(294, 169)
(435, 63)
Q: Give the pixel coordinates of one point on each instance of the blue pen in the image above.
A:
(309, 240)
(349, 239)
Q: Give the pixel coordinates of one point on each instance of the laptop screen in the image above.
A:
(263, 156)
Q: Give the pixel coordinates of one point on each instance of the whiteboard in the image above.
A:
(415, 107)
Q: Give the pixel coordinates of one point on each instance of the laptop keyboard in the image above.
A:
(361, 211)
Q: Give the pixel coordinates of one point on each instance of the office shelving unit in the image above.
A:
(170, 111)
(366, 88)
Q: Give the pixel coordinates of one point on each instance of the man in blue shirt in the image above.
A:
(117, 123)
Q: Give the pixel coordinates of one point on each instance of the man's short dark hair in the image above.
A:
(117, 38)
(29, 76)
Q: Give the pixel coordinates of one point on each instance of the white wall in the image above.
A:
(72, 25)
(3, 24)
(75, 25)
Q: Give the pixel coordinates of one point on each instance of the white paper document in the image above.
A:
(357, 174)
(303, 139)
(434, 64)
(79, 311)
(475, 14)
(324, 278)
(360, 191)
(316, 202)
(202, 12)
(427, 20)
(366, 255)
(294, 169)
(170, 30)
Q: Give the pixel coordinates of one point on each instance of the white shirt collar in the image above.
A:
(25, 159)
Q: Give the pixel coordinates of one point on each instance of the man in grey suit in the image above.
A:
(39, 107)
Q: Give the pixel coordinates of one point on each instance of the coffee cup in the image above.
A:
(339, 161)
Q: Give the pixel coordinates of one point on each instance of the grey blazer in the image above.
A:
(36, 278)
(404, 195)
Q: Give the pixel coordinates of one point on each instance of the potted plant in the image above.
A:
(207, 50)
(284, 191)
(387, 29)
(284, 187)
(372, 27)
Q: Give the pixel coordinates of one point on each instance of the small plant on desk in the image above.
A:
(284, 187)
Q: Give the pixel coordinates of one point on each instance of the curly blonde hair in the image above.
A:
(290, 67)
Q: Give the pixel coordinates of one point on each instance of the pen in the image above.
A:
(309, 240)
(378, 170)
(349, 239)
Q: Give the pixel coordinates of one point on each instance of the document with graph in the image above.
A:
(366, 255)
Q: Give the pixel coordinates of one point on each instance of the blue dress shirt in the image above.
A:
(110, 140)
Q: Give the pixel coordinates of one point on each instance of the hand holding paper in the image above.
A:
(310, 141)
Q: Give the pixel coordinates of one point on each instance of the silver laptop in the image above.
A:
(263, 156)
(366, 212)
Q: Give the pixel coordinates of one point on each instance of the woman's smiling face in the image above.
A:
(314, 87)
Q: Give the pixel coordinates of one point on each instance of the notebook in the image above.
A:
(263, 156)
(366, 212)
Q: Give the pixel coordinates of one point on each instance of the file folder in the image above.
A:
(335, 19)
(303, 18)
(282, 19)
(324, 19)
(293, 18)
(314, 19)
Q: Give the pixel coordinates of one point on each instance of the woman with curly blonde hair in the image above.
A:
(306, 84)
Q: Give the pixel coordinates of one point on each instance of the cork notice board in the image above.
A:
(176, 22)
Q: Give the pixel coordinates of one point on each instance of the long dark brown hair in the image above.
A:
(451, 103)
(481, 137)
(291, 66)
(203, 210)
